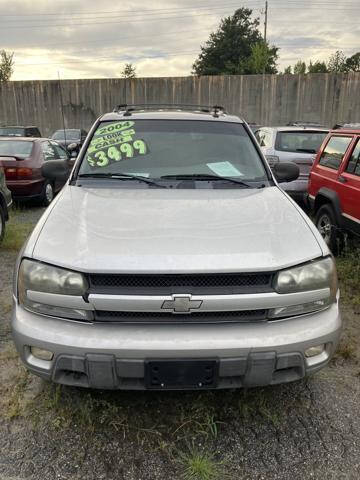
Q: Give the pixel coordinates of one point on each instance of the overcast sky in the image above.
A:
(92, 39)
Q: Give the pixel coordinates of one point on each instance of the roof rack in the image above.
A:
(215, 110)
(305, 124)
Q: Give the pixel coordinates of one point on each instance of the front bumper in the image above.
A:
(113, 356)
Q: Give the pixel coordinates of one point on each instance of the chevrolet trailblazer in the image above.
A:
(171, 259)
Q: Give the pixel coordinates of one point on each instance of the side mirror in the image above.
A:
(286, 171)
(72, 147)
(56, 170)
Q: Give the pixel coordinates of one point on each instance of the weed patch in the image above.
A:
(201, 466)
(348, 267)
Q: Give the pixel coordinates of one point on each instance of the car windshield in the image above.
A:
(16, 147)
(12, 131)
(300, 141)
(157, 148)
(70, 135)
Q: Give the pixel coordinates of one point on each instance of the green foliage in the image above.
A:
(200, 466)
(337, 62)
(317, 67)
(348, 267)
(129, 71)
(6, 65)
(300, 68)
(352, 63)
(237, 47)
(288, 70)
(262, 58)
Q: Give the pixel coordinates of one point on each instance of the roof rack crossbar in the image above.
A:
(127, 109)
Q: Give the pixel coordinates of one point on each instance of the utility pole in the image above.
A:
(266, 19)
(265, 32)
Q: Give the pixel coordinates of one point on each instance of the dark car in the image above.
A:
(5, 203)
(22, 159)
(19, 131)
(70, 135)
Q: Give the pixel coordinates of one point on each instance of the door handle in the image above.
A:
(342, 179)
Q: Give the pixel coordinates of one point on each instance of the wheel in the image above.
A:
(48, 194)
(329, 229)
(2, 223)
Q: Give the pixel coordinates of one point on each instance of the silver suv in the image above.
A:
(171, 259)
(298, 144)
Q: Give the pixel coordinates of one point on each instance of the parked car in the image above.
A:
(70, 135)
(5, 203)
(295, 144)
(19, 131)
(172, 260)
(22, 159)
(334, 187)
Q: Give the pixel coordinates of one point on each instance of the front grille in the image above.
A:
(224, 283)
(194, 317)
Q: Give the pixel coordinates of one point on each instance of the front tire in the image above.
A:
(329, 229)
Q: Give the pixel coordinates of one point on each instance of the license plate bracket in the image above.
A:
(192, 374)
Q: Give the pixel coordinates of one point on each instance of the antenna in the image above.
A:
(62, 109)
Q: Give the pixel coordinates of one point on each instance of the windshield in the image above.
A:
(16, 147)
(297, 141)
(70, 135)
(159, 148)
(12, 131)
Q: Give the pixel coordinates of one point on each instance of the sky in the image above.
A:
(92, 39)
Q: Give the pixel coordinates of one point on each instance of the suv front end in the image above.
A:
(137, 280)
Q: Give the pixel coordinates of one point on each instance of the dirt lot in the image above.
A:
(308, 429)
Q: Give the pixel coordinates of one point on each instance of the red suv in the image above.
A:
(334, 186)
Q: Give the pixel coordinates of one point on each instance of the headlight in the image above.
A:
(38, 277)
(316, 275)
(311, 276)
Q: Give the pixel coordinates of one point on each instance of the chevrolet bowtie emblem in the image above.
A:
(181, 304)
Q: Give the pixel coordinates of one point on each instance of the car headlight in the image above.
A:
(35, 276)
(316, 275)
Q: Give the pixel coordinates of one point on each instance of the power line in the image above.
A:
(107, 23)
(117, 39)
(110, 59)
(155, 10)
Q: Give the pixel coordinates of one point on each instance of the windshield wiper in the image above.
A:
(306, 150)
(205, 177)
(121, 176)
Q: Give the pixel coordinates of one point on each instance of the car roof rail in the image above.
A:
(214, 110)
(305, 124)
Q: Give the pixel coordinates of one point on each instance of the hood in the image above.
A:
(165, 230)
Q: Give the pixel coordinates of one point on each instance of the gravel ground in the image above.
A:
(307, 429)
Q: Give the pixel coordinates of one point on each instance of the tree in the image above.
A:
(299, 67)
(6, 65)
(352, 63)
(337, 62)
(288, 70)
(230, 50)
(317, 67)
(262, 59)
(129, 71)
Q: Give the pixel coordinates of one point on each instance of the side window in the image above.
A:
(334, 152)
(60, 152)
(48, 151)
(354, 163)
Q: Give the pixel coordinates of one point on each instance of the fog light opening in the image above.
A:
(313, 351)
(41, 354)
